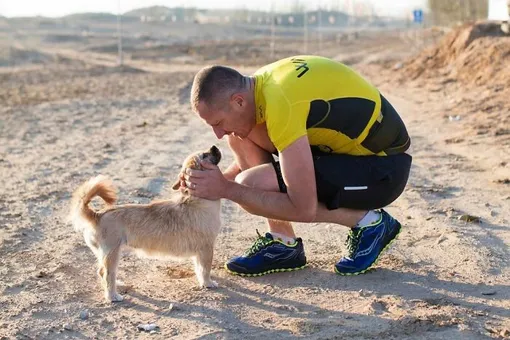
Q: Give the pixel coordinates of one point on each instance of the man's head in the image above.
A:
(224, 99)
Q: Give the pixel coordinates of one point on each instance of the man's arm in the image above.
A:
(299, 203)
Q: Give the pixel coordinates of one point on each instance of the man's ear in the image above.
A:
(238, 99)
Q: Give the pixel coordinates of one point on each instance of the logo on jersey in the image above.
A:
(300, 65)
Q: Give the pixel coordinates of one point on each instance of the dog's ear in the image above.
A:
(176, 185)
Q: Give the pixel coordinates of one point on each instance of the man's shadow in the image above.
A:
(309, 318)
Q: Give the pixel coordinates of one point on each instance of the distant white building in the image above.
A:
(499, 10)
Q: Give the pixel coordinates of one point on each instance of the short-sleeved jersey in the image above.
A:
(319, 97)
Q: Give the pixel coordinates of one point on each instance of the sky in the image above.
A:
(56, 8)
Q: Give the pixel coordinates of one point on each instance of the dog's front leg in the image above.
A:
(203, 264)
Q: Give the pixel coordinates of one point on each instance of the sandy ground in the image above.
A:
(61, 123)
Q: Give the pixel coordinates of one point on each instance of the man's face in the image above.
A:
(231, 119)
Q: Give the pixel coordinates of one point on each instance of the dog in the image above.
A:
(182, 227)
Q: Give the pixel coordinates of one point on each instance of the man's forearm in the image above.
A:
(273, 205)
(232, 171)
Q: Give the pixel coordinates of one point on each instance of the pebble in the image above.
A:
(147, 327)
(67, 327)
(441, 239)
(469, 218)
(84, 314)
(489, 292)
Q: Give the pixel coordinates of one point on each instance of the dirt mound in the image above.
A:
(473, 53)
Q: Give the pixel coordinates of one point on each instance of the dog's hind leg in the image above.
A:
(98, 253)
(110, 262)
(203, 264)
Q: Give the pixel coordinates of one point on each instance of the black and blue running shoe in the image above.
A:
(268, 255)
(365, 245)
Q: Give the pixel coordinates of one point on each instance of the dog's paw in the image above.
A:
(116, 297)
(210, 284)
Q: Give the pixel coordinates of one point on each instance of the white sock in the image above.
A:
(371, 217)
(283, 238)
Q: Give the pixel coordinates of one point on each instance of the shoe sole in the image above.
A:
(376, 259)
(266, 272)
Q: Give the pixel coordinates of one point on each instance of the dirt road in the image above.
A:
(445, 278)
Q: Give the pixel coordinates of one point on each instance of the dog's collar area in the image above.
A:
(197, 161)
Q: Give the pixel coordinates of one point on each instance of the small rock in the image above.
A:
(490, 330)
(409, 217)
(363, 293)
(41, 274)
(469, 218)
(453, 140)
(147, 327)
(152, 332)
(441, 239)
(489, 292)
(67, 327)
(84, 314)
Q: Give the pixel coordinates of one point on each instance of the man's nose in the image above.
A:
(219, 132)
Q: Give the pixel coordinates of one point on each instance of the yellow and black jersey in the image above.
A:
(337, 108)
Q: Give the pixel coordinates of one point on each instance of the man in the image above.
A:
(341, 155)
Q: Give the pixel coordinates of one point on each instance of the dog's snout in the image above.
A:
(215, 151)
(215, 154)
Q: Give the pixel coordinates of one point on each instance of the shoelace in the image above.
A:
(260, 243)
(352, 241)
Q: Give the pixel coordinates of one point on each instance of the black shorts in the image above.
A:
(357, 182)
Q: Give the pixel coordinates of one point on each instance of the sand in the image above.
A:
(70, 115)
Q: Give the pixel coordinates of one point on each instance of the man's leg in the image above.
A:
(249, 154)
(371, 230)
(278, 250)
(263, 177)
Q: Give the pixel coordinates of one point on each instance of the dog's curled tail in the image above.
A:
(96, 186)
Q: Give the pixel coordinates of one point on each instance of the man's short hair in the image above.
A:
(213, 84)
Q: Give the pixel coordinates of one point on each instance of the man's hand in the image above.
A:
(208, 183)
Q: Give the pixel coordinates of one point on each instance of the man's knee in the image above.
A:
(262, 177)
(243, 145)
(247, 153)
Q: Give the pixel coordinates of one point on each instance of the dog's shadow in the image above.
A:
(226, 317)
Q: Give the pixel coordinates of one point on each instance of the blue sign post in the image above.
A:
(418, 16)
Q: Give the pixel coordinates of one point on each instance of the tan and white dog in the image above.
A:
(182, 227)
